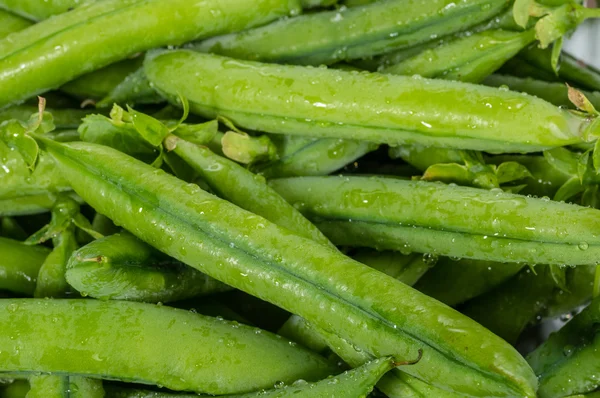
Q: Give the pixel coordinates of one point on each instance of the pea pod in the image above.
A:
(380, 315)
(355, 383)
(49, 386)
(555, 93)
(352, 33)
(132, 89)
(59, 49)
(10, 23)
(567, 362)
(454, 221)
(394, 109)
(121, 267)
(470, 58)
(19, 265)
(95, 338)
(36, 10)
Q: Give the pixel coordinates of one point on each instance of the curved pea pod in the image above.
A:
(469, 59)
(555, 93)
(393, 109)
(100, 83)
(133, 89)
(509, 308)
(454, 281)
(10, 228)
(380, 314)
(580, 284)
(38, 10)
(50, 386)
(121, 267)
(180, 350)
(453, 221)
(567, 363)
(571, 69)
(406, 268)
(351, 33)
(355, 383)
(243, 188)
(315, 157)
(10, 23)
(19, 265)
(60, 49)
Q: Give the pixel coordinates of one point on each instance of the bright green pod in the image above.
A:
(454, 281)
(453, 221)
(567, 363)
(121, 267)
(555, 93)
(134, 88)
(394, 110)
(50, 386)
(355, 383)
(37, 10)
(314, 156)
(249, 191)
(10, 23)
(147, 344)
(317, 3)
(379, 314)
(61, 49)
(406, 268)
(19, 265)
(351, 33)
(470, 58)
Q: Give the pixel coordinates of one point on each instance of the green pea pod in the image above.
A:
(298, 330)
(121, 267)
(315, 157)
(470, 58)
(243, 188)
(453, 221)
(317, 3)
(10, 228)
(352, 33)
(98, 84)
(508, 309)
(555, 93)
(455, 281)
(60, 49)
(19, 265)
(62, 118)
(355, 383)
(49, 386)
(567, 362)
(394, 109)
(571, 69)
(36, 10)
(10, 23)
(95, 338)
(380, 314)
(133, 89)
(406, 268)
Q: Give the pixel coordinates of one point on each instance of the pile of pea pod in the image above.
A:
(308, 198)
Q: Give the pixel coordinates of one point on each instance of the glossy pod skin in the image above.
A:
(38, 10)
(121, 267)
(19, 265)
(10, 23)
(48, 386)
(181, 350)
(241, 187)
(351, 33)
(393, 109)
(453, 221)
(555, 93)
(381, 315)
(58, 50)
(355, 383)
(567, 363)
(470, 58)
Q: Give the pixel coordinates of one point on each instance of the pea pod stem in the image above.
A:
(394, 109)
(454, 221)
(213, 350)
(58, 50)
(121, 267)
(317, 282)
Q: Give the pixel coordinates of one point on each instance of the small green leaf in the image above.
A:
(569, 189)
(590, 196)
(149, 128)
(511, 171)
(581, 102)
(559, 275)
(596, 156)
(583, 164)
(15, 136)
(84, 224)
(557, 23)
(449, 173)
(244, 148)
(562, 160)
(514, 188)
(200, 134)
(229, 124)
(186, 111)
(521, 12)
(158, 162)
(556, 50)
(40, 236)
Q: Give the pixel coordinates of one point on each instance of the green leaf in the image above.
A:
(590, 196)
(15, 136)
(186, 111)
(244, 148)
(84, 224)
(200, 134)
(229, 124)
(514, 188)
(149, 128)
(583, 164)
(448, 173)
(559, 276)
(562, 160)
(557, 23)
(555, 57)
(596, 156)
(511, 171)
(521, 12)
(569, 189)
